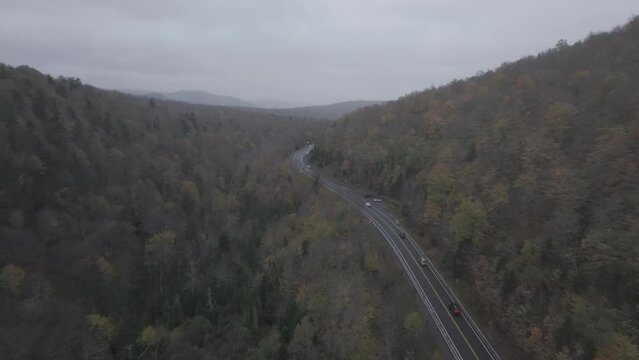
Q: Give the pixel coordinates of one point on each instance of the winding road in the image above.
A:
(460, 334)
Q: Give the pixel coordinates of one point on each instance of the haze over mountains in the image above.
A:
(193, 97)
(331, 111)
(282, 108)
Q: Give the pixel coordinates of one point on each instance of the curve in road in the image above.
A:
(461, 334)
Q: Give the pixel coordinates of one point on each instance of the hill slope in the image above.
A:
(196, 97)
(524, 181)
(330, 111)
(206, 98)
(148, 229)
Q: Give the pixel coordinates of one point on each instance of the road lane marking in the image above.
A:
(347, 195)
(482, 339)
(405, 264)
(408, 271)
(453, 320)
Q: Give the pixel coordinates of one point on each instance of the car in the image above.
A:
(368, 204)
(368, 196)
(308, 166)
(454, 308)
(402, 235)
(422, 261)
(377, 200)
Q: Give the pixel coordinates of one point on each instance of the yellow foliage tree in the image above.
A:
(11, 278)
(150, 336)
(161, 241)
(558, 117)
(106, 268)
(432, 214)
(617, 347)
(413, 322)
(102, 326)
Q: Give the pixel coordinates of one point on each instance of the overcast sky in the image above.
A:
(303, 51)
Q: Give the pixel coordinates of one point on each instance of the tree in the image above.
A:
(561, 44)
(469, 223)
(438, 188)
(151, 338)
(160, 250)
(413, 322)
(102, 326)
(11, 278)
(432, 214)
(371, 261)
(105, 268)
(558, 118)
(301, 345)
(269, 347)
(190, 196)
(366, 347)
(617, 347)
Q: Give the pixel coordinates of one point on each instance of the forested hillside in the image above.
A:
(526, 181)
(330, 111)
(140, 229)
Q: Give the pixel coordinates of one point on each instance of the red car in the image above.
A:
(454, 308)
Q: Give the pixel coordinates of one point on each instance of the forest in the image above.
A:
(136, 228)
(140, 228)
(523, 183)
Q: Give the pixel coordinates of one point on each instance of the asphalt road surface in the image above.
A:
(460, 333)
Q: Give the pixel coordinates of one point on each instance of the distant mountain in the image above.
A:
(142, 92)
(276, 104)
(206, 98)
(331, 111)
(155, 95)
(276, 107)
(193, 97)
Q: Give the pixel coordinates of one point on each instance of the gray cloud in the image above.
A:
(297, 50)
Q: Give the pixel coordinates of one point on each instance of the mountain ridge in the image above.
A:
(330, 111)
(523, 183)
(200, 97)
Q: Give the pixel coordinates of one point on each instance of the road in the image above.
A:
(460, 334)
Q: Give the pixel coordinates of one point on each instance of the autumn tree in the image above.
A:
(12, 278)
(469, 223)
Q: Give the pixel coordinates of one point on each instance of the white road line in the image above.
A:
(411, 275)
(372, 210)
(299, 159)
(489, 349)
(392, 226)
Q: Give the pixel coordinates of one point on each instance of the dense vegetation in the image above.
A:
(133, 228)
(330, 111)
(526, 180)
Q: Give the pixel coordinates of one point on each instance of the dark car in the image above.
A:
(368, 195)
(402, 235)
(454, 308)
